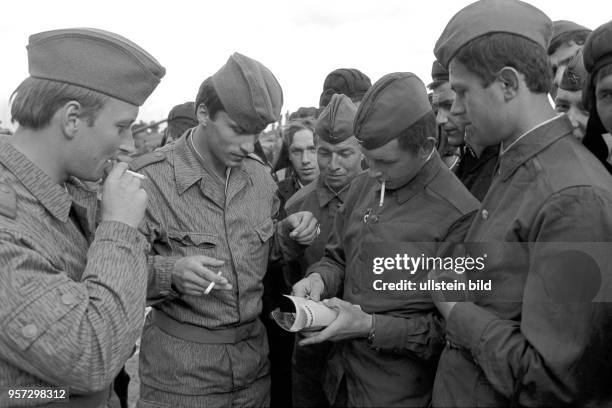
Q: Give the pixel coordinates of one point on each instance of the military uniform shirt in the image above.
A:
(71, 296)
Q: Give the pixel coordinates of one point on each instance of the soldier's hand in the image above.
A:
(309, 287)
(122, 198)
(191, 275)
(304, 227)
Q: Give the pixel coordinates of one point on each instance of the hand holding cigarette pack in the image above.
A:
(308, 315)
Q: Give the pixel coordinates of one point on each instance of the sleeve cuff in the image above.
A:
(466, 324)
(121, 232)
(163, 275)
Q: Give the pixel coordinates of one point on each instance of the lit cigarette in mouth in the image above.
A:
(137, 175)
(211, 285)
(382, 194)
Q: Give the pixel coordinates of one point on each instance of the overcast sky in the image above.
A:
(300, 41)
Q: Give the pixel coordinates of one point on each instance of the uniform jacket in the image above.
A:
(476, 173)
(192, 212)
(398, 368)
(71, 295)
(542, 336)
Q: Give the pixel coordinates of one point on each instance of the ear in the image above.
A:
(70, 121)
(510, 80)
(428, 146)
(202, 115)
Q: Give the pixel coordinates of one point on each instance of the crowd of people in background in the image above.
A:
(506, 151)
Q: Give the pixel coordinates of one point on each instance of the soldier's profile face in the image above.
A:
(102, 142)
(603, 98)
(453, 125)
(483, 107)
(227, 141)
(392, 164)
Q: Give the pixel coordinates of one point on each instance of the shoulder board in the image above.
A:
(146, 159)
(256, 158)
(8, 201)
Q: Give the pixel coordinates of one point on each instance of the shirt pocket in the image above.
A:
(193, 243)
(265, 230)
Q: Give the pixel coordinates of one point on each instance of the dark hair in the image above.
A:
(413, 138)
(295, 126)
(209, 97)
(35, 101)
(579, 37)
(485, 56)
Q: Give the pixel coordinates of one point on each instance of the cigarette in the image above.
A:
(211, 285)
(133, 173)
(382, 194)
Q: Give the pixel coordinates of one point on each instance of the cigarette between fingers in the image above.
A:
(133, 173)
(211, 285)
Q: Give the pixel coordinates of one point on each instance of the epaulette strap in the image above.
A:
(146, 159)
(8, 201)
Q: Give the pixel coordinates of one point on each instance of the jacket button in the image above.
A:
(67, 299)
(29, 331)
(485, 214)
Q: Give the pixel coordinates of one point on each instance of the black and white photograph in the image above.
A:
(316, 204)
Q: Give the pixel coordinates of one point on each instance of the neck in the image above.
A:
(41, 148)
(210, 160)
(532, 114)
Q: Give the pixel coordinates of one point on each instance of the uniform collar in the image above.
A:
(536, 140)
(325, 194)
(187, 168)
(429, 170)
(50, 194)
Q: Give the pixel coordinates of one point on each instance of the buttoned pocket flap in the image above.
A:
(195, 239)
(265, 230)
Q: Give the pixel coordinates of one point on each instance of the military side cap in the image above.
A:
(348, 81)
(95, 59)
(492, 16)
(438, 72)
(598, 48)
(575, 74)
(391, 106)
(183, 111)
(249, 92)
(335, 123)
(560, 27)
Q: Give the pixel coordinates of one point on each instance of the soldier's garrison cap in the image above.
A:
(393, 104)
(575, 74)
(95, 59)
(335, 123)
(249, 92)
(492, 16)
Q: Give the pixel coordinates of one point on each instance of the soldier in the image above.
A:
(475, 162)
(598, 93)
(210, 221)
(569, 95)
(180, 119)
(538, 337)
(567, 38)
(387, 343)
(72, 292)
(339, 159)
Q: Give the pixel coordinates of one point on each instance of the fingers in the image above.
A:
(209, 276)
(320, 337)
(304, 221)
(208, 261)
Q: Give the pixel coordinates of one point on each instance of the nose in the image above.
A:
(127, 143)
(572, 115)
(334, 162)
(457, 108)
(307, 156)
(441, 118)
